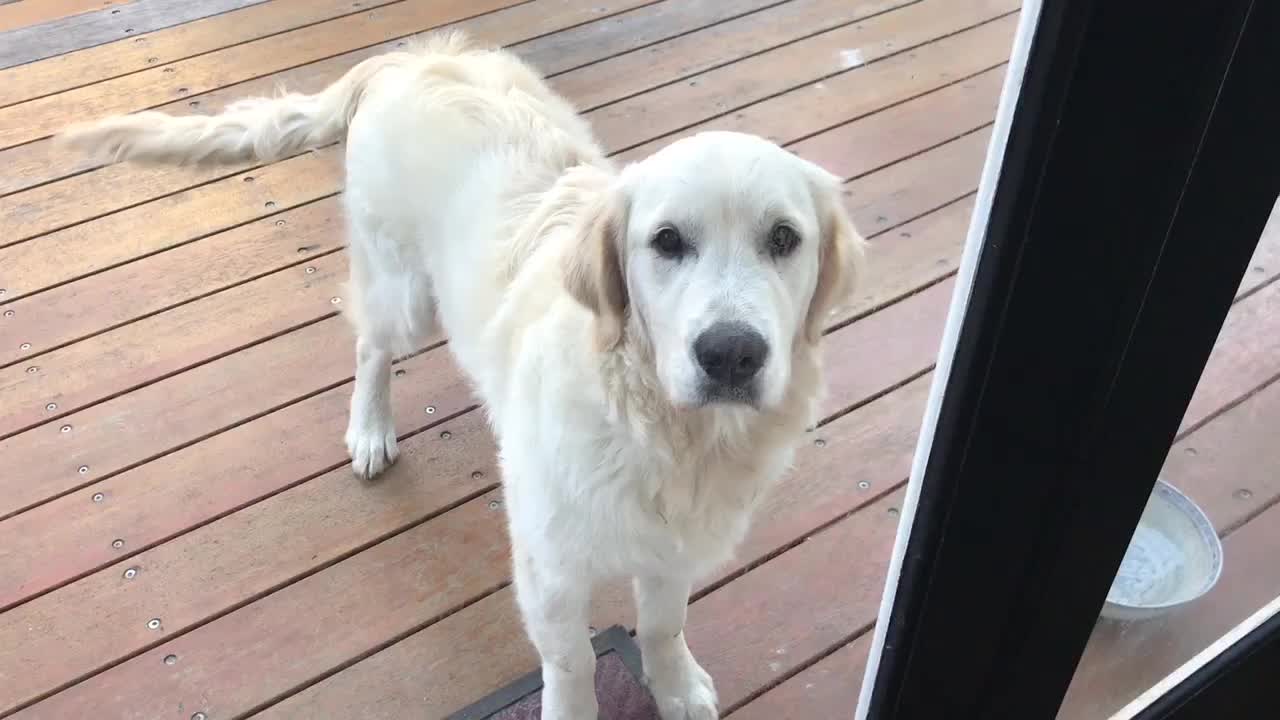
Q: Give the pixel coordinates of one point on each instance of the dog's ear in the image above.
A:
(595, 275)
(841, 254)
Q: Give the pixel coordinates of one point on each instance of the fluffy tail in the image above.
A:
(251, 129)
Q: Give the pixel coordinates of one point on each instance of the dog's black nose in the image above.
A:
(730, 353)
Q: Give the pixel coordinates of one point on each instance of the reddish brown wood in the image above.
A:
(698, 52)
(111, 298)
(208, 571)
(863, 89)
(39, 118)
(1246, 356)
(828, 689)
(117, 238)
(81, 30)
(1266, 259)
(33, 12)
(145, 351)
(144, 51)
(72, 199)
(629, 123)
(874, 141)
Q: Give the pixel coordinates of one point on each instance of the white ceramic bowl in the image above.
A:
(1174, 557)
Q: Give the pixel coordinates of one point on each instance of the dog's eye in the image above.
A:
(669, 244)
(782, 240)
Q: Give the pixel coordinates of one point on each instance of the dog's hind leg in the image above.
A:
(393, 312)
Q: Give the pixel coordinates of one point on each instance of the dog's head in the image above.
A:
(729, 253)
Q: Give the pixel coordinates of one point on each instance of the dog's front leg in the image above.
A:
(556, 606)
(371, 432)
(683, 690)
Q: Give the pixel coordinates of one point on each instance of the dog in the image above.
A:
(646, 340)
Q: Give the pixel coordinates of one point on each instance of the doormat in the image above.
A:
(619, 688)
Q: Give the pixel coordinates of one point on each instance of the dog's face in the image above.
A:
(728, 251)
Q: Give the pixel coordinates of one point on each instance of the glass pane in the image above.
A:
(1216, 509)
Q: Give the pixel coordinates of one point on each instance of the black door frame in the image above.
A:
(1139, 169)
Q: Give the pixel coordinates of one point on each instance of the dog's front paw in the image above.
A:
(682, 689)
(372, 449)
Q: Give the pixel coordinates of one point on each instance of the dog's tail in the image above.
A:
(252, 129)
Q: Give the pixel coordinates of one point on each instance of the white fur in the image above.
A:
(476, 195)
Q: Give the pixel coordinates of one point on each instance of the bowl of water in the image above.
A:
(1174, 557)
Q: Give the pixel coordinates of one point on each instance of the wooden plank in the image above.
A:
(633, 122)
(145, 351)
(75, 32)
(181, 404)
(828, 689)
(1247, 355)
(39, 118)
(189, 580)
(17, 13)
(864, 89)
(107, 299)
(57, 205)
(79, 250)
(874, 141)
(1236, 452)
(1266, 259)
(39, 163)
(716, 46)
(645, 26)
(147, 50)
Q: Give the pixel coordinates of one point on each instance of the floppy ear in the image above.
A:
(594, 276)
(841, 255)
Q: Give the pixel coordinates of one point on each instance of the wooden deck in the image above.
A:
(180, 535)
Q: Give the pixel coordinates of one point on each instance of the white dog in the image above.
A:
(646, 341)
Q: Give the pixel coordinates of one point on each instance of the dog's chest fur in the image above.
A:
(642, 486)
